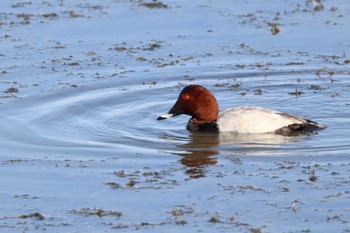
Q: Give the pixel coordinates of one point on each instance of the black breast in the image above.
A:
(209, 127)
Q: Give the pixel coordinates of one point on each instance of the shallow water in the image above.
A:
(83, 85)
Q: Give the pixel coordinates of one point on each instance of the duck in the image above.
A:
(199, 103)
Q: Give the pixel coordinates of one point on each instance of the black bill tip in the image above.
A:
(165, 116)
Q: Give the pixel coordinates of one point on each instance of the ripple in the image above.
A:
(123, 119)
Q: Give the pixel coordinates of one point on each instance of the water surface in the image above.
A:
(83, 84)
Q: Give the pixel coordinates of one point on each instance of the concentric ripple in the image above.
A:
(108, 118)
(123, 119)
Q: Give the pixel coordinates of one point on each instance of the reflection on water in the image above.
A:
(202, 147)
(199, 152)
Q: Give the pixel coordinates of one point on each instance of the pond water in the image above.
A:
(82, 85)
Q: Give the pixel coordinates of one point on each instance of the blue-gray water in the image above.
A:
(83, 83)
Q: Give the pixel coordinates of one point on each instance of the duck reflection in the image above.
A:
(201, 148)
(199, 152)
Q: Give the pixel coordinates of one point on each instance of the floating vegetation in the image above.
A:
(120, 173)
(181, 222)
(154, 4)
(318, 6)
(21, 4)
(325, 71)
(296, 92)
(73, 14)
(119, 48)
(142, 59)
(50, 15)
(255, 230)
(293, 206)
(177, 212)
(149, 83)
(36, 215)
(86, 212)
(258, 92)
(313, 177)
(91, 6)
(59, 47)
(215, 219)
(73, 64)
(113, 185)
(153, 46)
(234, 86)
(130, 184)
(12, 90)
(25, 196)
(316, 87)
(25, 17)
(274, 29)
(251, 188)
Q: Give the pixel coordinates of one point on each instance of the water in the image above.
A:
(83, 85)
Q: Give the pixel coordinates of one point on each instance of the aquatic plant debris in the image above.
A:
(324, 70)
(36, 215)
(154, 4)
(86, 212)
(274, 29)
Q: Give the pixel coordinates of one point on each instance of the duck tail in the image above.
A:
(300, 129)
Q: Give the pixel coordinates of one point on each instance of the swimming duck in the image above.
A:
(201, 105)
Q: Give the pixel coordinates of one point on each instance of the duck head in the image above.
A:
(197, 102)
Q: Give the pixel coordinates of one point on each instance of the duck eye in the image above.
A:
(185, 96)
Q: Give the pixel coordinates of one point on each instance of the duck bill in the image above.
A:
(174, 111)
(165, 116)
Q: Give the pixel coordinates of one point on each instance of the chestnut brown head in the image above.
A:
(196, 101)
